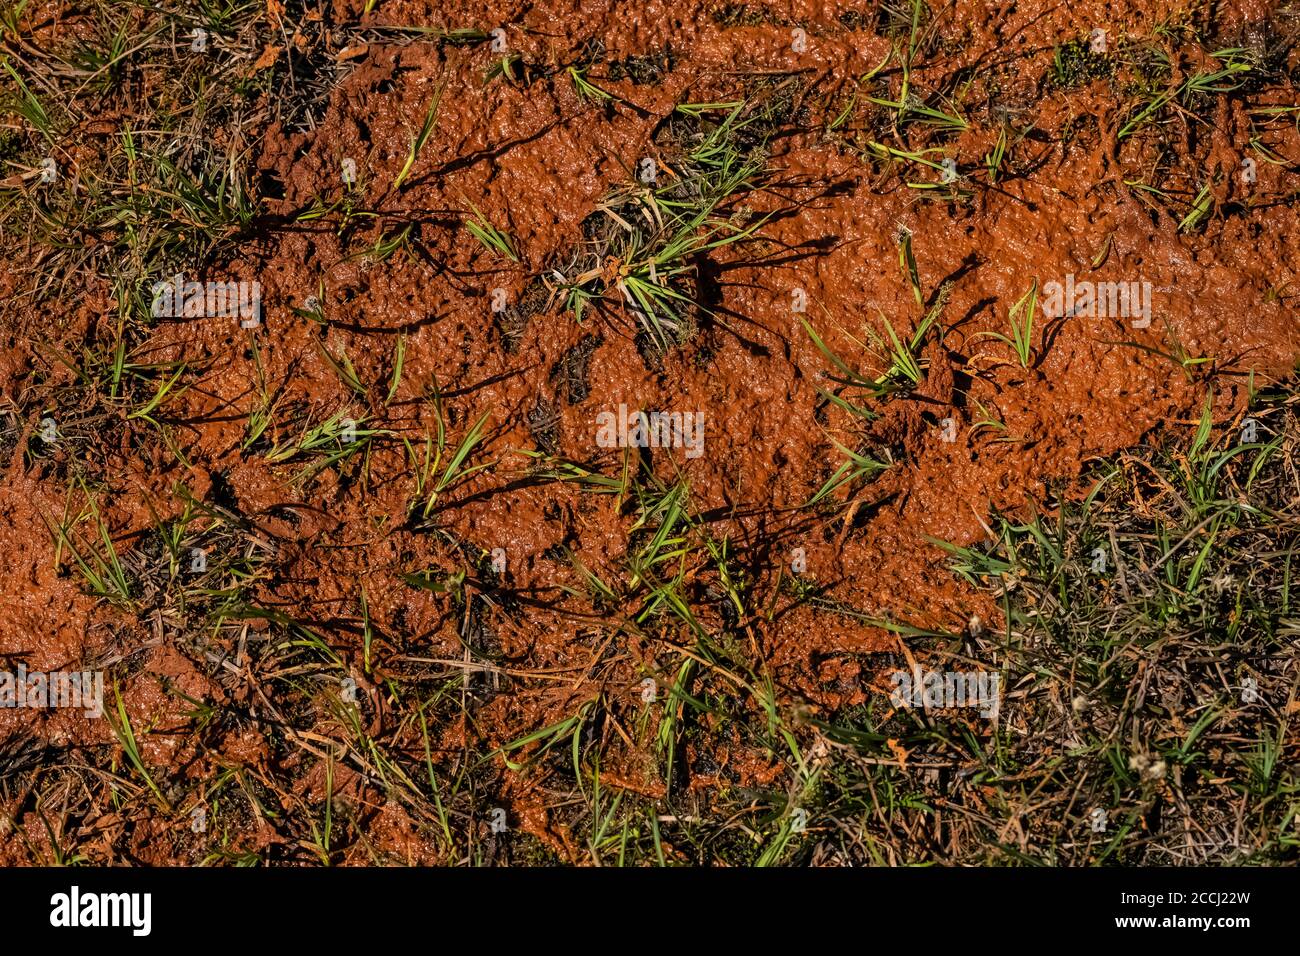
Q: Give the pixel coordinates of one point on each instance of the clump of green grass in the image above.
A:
(434, 479)
(904, 369)
(419, 140)
(493, 239)
(586, 89)
(1020, 318)
(947, 188)
(1192, 90)
(126, 737)
(1200, 208)
(94, 555)
(323, 444)
(907, 108)
(646, 240)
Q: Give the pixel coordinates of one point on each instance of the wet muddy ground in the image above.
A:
(398, 544)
